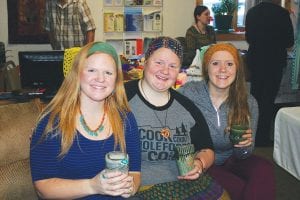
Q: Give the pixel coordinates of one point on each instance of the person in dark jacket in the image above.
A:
(269, 32)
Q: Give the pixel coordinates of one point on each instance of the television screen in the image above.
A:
(41, 70)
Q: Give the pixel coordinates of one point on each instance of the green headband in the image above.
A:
(104, 48)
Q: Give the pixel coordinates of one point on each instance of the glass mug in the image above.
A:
(117, 161)
(236, 133)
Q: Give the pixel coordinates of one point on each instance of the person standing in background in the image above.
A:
(269, 32)
(69, 23)
(200, 34)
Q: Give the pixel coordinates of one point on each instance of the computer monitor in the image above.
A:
(41, 70)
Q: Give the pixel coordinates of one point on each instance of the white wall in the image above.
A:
(177, 17)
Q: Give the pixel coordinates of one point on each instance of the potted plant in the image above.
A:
(223, 14)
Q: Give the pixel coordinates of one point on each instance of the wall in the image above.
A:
(177, 17)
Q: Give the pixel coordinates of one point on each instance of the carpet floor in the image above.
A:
(287, 186)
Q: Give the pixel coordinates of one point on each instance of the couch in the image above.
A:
(16, 123)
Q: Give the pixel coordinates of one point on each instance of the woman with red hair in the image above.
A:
(224, 101)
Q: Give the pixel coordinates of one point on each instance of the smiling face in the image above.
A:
(221, 71)
(161, 69)
(98, 77)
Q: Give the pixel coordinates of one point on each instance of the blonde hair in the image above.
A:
(237, 99)
(65, 106)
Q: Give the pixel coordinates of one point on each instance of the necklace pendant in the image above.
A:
(91, 133)
(165, 132)
(101, 128)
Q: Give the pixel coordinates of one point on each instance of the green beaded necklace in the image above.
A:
(91, 132)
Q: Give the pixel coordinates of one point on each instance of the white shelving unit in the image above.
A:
(147, 24)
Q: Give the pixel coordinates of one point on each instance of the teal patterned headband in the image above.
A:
(166, 42)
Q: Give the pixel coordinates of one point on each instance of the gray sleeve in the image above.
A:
(253, 106)
(188, 89)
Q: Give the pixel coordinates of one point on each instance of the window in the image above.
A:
(240, 12)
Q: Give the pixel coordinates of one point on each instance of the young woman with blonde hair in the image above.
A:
(88, 117)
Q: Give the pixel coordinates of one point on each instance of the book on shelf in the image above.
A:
(119, 22)
(113, 2)
(133, 2)
(139, 47)
(113, 22)
(153, 21)
(133, 19)
(143, 2)
(133, 47)
(109, 22)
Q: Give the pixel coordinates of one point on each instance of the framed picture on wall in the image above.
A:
(25, 22)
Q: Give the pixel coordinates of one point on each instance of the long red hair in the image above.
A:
(238, 93)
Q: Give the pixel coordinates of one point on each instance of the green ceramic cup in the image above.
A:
(184, 158)
(236, 132)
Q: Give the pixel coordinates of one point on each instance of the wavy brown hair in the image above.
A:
(237, 98)
(65, 106)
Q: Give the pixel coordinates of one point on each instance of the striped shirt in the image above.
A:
(69, 23)
(84, 160)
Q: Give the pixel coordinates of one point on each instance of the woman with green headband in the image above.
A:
(88, 117)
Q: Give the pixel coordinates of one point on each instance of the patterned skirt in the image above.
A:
(203, 188)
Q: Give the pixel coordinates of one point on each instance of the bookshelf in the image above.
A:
(127, 22)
